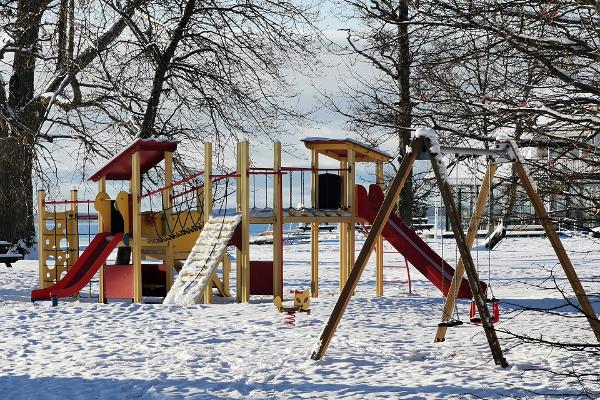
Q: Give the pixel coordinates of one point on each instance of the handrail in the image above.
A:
(172, 185)
(68, 202)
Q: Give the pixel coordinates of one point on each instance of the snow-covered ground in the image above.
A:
(383, 349)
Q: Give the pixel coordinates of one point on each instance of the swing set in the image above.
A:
(425, 146)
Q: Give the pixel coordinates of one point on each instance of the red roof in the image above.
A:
(151, 153)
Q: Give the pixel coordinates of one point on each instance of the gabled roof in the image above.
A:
(151, 151)
(338, 149)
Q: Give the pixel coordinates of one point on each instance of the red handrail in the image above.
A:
(68, 202)
(313, 169)
(172, 185)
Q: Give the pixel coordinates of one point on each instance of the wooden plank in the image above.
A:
(136, 246)
(563, 257)
(465, 254)
(363, 257)
(450, 303)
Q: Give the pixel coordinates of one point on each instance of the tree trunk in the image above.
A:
(17, 135)
(406, 206)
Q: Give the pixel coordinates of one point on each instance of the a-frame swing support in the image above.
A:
(418, 145)
(545, 221)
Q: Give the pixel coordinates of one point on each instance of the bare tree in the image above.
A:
(95, 74)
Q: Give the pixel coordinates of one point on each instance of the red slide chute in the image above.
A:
(83, 270)
(408, 243)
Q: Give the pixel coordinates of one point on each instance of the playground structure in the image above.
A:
(425, 146)
(176, 222)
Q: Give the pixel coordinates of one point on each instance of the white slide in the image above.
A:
(203, 260)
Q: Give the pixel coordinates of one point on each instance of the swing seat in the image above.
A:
(450, 324)
(495, 315)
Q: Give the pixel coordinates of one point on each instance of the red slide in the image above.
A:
(408, 243)
(83, 270)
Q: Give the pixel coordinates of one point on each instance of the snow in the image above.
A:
(434, 148)
(316, 139)
(203, 260)
(383, 347)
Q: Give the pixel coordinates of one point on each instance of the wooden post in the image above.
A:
(562, 255)
(343, 228)
(101, 228)
(136, 246)
(207, 204)
(351, 200)
(42, 252)
(167, 203)
(277, 224)
(363, 257)
(243, 263)
(379, 241)
(314, 228)
(208, 189)
(465, 254)
(440, 335)
(72, 251)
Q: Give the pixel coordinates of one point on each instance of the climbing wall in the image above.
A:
(203, 260)
(59, 248)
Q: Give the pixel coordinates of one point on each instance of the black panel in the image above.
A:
(330, 191)
(117, 225)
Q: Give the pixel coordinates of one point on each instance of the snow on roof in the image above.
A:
(315, 140)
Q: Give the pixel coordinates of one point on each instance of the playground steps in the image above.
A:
(203, 260)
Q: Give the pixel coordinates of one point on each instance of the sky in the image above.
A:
(334, 72)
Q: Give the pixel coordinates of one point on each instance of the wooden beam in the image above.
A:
(136, 246)
(101, 228)
(43, 254)
(207, 189)
(563, 257)
(351, 199)
(363, 257)
(314, 227)
(166, 198)
(343, 273)
(465, 254)
(379, 245)
(277, 224)
(243, 264)
(484, 193)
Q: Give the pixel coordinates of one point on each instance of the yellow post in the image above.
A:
(136, 243)
(166, 198)
(72, 251)
(343, 227)
(379, 241)
(351, 199)
(243, 263)
(101, 228)
(207, 181)
(277, 224)
(207, 208)
(42, 252)
(314, 228)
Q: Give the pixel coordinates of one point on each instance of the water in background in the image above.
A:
(89, 228)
